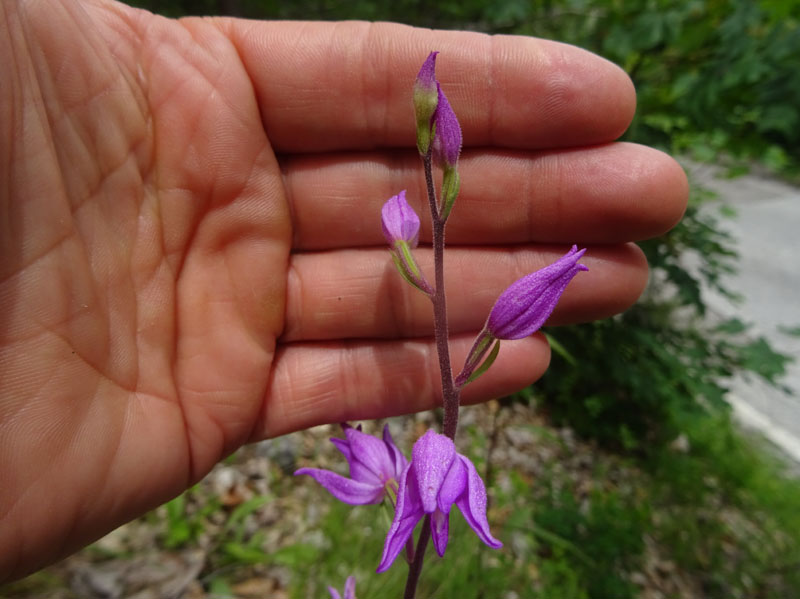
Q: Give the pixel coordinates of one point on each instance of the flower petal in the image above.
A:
(406, 516)
(343, 445)
(432, 456)
(472, 504)
(373, 454)
(358, 471)
(453, 486)
(334, 593)
(350, 588)
(400, 461)
(345, 489)
(440, 527)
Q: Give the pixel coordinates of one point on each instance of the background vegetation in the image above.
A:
(666, 479)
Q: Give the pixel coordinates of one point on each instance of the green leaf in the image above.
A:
(791, 331)
(733, 326)
(294, 555)
(236, 520)
(760, 358)
(486, 363)
(220, 589)
(560, 349)
(244, 553)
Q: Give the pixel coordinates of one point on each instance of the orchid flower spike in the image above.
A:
(401, 228)
(349, 589)
(375, 468)
(525, 306)
(436, 479)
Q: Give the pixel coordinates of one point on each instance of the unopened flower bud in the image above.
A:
(524, 307)
(426, 96)
(401, 228)
(446, 144)
(399, 221)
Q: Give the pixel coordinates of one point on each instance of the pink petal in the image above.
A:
(406, 516)
(473, 505)
(440, 527)
(345, 489)
(373, 454)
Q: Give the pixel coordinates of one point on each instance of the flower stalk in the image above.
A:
(437, 477)
(450, 394)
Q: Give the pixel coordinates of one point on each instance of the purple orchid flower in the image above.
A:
(349, 589)
(525, 306)
(437, 478)
(375, 468)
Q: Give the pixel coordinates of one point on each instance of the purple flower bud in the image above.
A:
(375, 468)
(524, 307)
(349, 589)
(401, 228)
(436, 479)
(426, 78)
(399, 221)
(426, 97)
(447, 133)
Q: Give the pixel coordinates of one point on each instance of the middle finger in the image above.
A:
(358, 294)
(604, 194)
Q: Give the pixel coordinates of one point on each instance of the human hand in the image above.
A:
(192, 255)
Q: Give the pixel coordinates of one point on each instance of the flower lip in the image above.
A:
(433, 455)
(527, 303)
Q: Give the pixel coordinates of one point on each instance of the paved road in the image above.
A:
(767, 229)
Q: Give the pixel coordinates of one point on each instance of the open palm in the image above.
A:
(191, 249)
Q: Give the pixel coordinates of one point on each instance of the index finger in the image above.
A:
(347, 86)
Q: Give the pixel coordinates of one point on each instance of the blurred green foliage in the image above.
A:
(633, 381)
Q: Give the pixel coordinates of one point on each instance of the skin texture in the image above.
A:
(191, 252)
